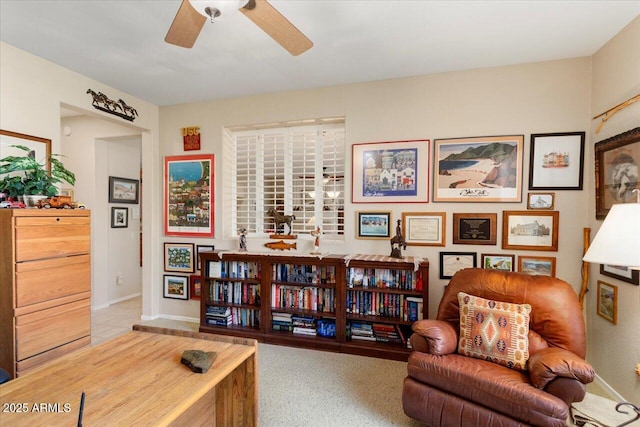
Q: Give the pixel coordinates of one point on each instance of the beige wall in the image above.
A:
(614, 350)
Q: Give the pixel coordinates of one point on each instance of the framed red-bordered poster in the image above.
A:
(188, 195)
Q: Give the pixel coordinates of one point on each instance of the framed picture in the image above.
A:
(39, 148)
(451, 262)
(179, 257)
(607, 305)
(176, 287)
(556, 161)
(202, 248)
(390, 172)
(374, 225)
(123, 190)
(475, 228)
(478, 169)
(530, 231)
(625, 274)
(537, 265)
(504, 262)
(195, 286)
(188, 195)
(119, 217)
(67, 192)
(541, 201)
(616, 167)
(424, 228)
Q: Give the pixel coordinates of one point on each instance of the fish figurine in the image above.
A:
(281, 245)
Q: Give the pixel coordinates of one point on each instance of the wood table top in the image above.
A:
(135, 379)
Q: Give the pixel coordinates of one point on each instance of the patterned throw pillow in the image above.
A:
(494, 331)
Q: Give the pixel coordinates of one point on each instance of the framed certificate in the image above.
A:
(424, 228)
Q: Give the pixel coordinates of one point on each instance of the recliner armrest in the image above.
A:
(551, 363)
(434, 337)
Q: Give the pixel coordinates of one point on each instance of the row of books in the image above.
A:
(300, 273)
(227, 316)
(303, 325)
(307, 298)
(234, 269)
(383, 304)
(235, 292)
(379, 332)
(384, 278)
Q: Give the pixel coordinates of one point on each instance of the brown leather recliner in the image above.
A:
(444, 388)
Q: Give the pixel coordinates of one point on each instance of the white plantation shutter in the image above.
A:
(295, 170)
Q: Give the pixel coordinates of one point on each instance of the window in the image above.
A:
(297, 170)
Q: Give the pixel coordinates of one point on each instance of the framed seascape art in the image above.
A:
(188, 195)
(625, 274)
(617, 161)
(179, 257)
(556, 161)
(451, 262)
(543, 201)
(119, 217)
(504, 262)
(390, 172)
(537, 265)
(176, 287)
(478, 169)
(475, 228)
(529, 230)
(424, 228)
(373, 225)
(607, 305)
(123, 190)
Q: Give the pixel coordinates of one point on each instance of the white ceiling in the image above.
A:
(121, 43)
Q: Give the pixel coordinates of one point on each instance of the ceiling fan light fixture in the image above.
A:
(217, 9)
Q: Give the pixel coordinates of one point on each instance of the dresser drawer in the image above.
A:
(48, 237)
(45, 280)
(24, 366)
(46, 329)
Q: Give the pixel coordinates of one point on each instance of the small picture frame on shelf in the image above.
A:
(502, 262)
(179, 257)
(452, 262)
(176, 287)
(537, 265)
(475, 228)
(544, 201)
(607, 305)
(195, 286)
(374, 225)
(119, 217)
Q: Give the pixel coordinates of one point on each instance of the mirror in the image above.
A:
(41, 147)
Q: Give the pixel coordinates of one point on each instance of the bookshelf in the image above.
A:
(301, 300)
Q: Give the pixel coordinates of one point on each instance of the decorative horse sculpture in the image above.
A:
(281, 220)
(98, 98)
(398, 243)
(127, 108)
(109, 103)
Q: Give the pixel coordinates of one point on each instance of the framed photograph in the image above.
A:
(188, 195)
(475, 228)
(373, 225)
(179, 257)
(424, 228)
(451, 262)
(123, 190)
(202, 248)
(195, 286)
(390, 172)
(616, 167)
(119, 217)
(556, 161)
(530, 231)
(541, 201)
(537, 265)
(478, 169)
(176, 287)
(504, 262)
(607, 305)
(625, 274)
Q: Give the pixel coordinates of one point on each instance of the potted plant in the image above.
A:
(35, 180)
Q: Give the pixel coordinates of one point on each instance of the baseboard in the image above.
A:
(145, 317)
(602, 383)
(180, 318)
(128, 297)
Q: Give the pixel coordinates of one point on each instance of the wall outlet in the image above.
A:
(120, 279)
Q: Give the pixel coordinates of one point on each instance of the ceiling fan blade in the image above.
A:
(277, 26)
(186, 26)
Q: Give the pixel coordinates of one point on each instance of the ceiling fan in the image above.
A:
(189, 21)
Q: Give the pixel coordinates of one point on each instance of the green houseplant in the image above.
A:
(35, 179)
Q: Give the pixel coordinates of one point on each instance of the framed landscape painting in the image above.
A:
(176, 287)
(374, 225)
(504, 262)
(537, 265)
(478, 169)
(188, 195)
(607, 305)
(619, 272)
(530, 230)
(390, 172)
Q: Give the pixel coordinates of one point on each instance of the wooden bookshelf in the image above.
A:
(269, 296)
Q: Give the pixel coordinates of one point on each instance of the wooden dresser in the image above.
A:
(45, 285)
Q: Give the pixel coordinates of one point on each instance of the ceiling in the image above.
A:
(121, 43)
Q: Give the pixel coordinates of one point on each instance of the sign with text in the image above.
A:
(191, 138)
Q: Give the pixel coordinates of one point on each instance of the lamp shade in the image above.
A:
(618, 240)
